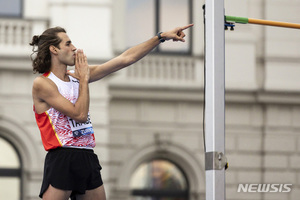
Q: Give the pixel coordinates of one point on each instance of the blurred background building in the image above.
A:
(148, 118)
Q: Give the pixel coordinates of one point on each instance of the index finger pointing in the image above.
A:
(187, 26)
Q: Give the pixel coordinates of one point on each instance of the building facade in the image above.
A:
(148, 118)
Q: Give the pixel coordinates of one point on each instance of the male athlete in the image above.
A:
(61, 105)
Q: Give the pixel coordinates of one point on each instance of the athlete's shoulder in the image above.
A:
(42, 82)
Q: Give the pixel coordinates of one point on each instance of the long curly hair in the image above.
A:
(41, 62)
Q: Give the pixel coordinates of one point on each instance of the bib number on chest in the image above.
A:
(80, 129)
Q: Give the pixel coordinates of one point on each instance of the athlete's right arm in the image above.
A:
(46, 95)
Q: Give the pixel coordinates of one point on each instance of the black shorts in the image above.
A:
(72, 169)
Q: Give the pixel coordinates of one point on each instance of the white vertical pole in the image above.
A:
(215, 100)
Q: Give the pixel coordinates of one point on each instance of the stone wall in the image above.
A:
(150, 113)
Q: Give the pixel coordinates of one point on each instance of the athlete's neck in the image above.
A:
(61, 73)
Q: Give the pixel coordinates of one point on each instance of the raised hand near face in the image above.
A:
(82, 71)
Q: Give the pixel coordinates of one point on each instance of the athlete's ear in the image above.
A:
(53, 49)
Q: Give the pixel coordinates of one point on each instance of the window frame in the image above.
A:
(19, 16)
(17, 173)
(157, 50)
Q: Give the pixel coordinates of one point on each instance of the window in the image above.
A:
(159, 179)
(10, 8)
(10, 171)
(145, 18)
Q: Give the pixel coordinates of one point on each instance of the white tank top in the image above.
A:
(57, 129)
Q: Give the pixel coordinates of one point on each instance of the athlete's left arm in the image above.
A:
(134, 54)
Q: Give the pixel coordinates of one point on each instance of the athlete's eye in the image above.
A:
(68, 43)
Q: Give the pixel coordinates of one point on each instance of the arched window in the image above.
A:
(10, 171)
(159, 179)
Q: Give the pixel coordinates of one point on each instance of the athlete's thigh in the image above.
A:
(53, 193)
(95, 194)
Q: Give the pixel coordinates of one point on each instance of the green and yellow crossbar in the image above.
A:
(244, 20)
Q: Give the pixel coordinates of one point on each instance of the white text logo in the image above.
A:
(265, 187)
